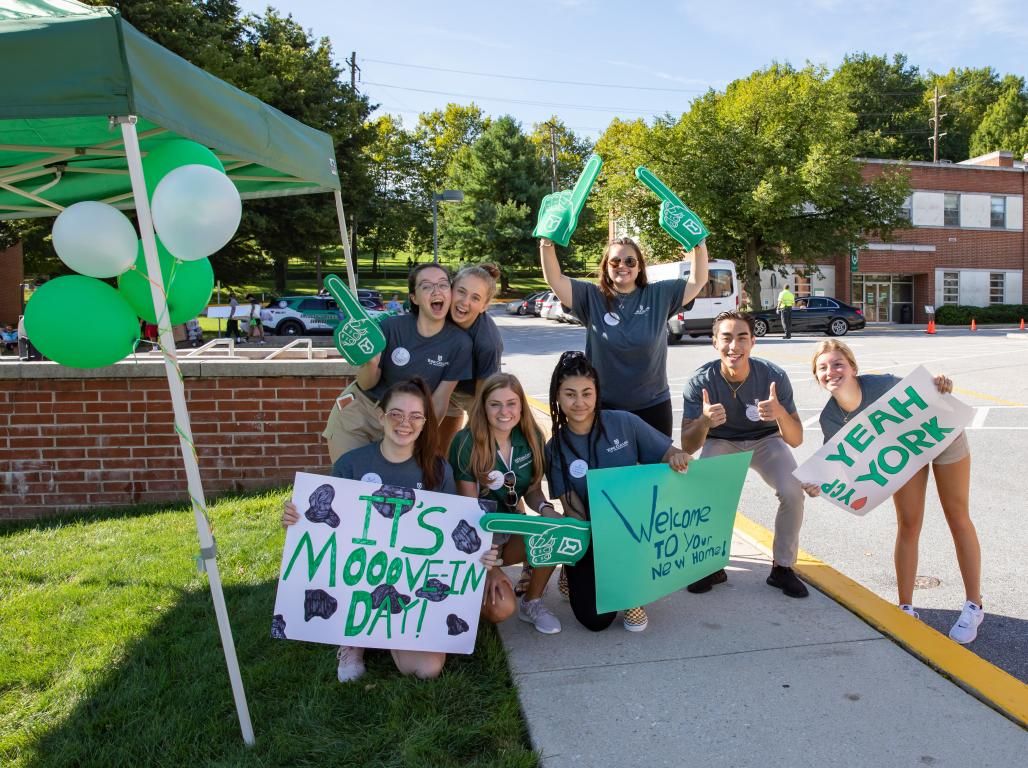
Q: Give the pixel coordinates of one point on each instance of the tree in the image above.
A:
(969, 94)
(503, 183)
(1004, 125)
(768, 165)
(440, 135)
(887, 98)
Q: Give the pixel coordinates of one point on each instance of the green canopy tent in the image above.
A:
(84, 97)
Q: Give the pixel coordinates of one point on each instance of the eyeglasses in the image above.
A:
(442, 285)
(508, 482)
(617, 261)
(398, 417)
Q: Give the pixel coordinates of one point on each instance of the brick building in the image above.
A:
(966, 244)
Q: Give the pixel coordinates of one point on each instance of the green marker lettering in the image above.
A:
(313, 563)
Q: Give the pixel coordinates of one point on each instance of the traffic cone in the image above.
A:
(974, 325)
(931, 327)
(1022, 323)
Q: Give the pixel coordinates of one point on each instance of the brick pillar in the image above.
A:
(12, 274)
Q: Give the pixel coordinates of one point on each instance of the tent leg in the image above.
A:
(178, 399)
(350, 273)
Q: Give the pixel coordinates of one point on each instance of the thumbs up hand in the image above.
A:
(771, 409)
(713, 413)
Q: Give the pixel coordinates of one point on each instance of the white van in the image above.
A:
(720, 294)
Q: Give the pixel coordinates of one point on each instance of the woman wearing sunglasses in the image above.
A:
(835, 368)
(473, 289)
(499, 456)
(625, 318)
(423, 343)
(407, 457)
(586, 437)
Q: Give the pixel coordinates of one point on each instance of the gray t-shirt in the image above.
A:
(742, 421)
(627, 341)
(486, 349)
(872, 386)
(621, 439)
(367, 463)
(443, 357)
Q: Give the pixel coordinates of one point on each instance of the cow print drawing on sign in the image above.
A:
(318, 602)
(465, 538)
(320, 510)
(393, 492)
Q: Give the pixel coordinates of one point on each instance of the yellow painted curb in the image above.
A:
(986, 682)
(544, 415)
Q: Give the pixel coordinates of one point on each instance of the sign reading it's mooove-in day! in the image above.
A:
(877, 451)
(655, 530)
(379, 566)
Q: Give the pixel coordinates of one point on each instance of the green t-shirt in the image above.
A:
(520, 460)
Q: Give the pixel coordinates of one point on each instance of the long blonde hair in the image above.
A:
(483, 447)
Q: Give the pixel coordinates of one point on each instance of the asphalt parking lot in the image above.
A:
(988, 369)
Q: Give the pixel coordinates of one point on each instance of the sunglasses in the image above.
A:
(398, 417)
(508, 483)
(617, 261)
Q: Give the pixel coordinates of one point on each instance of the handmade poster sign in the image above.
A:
(881, 448)
(559, 211)
(358, 337)
(379, 566)
(675, 216)
(655, 530)
(549, 540)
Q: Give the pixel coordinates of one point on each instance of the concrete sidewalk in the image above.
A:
(744, 676)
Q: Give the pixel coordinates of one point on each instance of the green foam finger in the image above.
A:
(585, 183)
(358, 338)
(549, 541)
(658, 187)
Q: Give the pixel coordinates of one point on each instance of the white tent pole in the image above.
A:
(178, 399)
(350, 274)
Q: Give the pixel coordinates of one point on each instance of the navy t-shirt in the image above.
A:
(872, 386)
(443, 357)
(368, 464)
(486, 350)
(740, 402)
(626, 340)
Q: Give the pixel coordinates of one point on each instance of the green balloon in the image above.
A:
(81, 322)
(187, 284)
(169, 155)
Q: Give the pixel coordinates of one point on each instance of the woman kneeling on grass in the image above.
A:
(835, 369)
(500, 456)
(586, 437)
(406, 457)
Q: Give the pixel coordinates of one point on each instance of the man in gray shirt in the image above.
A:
(740, 403)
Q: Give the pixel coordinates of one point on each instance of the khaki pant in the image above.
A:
(774, 462)
(355, 425)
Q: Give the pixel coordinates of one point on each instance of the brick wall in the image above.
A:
(73, 439)
(11, 276)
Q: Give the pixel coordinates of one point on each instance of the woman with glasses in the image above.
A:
(625, 317)
(422, 343)
(835, 368)
(473, 289)
(499, 456)
(407, 457)
(587, 437)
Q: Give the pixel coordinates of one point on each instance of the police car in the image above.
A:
(298, 315)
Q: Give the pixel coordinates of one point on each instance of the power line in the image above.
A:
(538, 79)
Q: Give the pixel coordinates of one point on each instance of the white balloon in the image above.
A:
(196, 211)
(95, 239)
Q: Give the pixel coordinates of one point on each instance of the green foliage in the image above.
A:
(969, 94)
(440, 135)
(958, 314)
(110, 657)
(1004, 125)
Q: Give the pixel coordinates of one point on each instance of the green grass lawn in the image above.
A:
(110, 656)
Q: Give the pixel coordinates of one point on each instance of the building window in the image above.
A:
(998, 219)
(907, 210)
(996, 282)
(950, 287)
(951, 210)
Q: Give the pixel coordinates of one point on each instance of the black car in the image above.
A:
(813, 314)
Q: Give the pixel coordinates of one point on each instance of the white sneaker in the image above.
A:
(534, 612)
(909, 610)
(351, 663)
(966, 628)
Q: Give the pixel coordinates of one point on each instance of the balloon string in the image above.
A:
(161, 288)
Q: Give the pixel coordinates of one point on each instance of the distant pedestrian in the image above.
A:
(394, 305)
(232, 329)
(786, 300)
(256, 327)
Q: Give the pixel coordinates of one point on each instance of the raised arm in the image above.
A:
(559, 283)
(698, 275)
(368, 375)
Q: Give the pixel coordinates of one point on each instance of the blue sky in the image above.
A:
(645, 57)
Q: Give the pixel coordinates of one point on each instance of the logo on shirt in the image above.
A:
(611, 318)
(400, 356)
(495, 480)
(618, 445)
(578, 468)
(371, 477)
(523, 459)
(438, 362)
(642, 311)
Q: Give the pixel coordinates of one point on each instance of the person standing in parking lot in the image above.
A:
(786, 300)
(256, 327)
(625, 317)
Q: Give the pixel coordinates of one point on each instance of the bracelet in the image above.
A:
(542, 504)
(545, 242)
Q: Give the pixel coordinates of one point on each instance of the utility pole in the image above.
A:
(354, 70)
(553, 155)
(934, 120)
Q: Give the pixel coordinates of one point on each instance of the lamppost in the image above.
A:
(446, 196)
